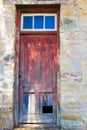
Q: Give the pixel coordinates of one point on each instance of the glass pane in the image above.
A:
(38, 22)
(27, 22)
(49, 22)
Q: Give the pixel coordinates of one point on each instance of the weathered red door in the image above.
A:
(38, 81)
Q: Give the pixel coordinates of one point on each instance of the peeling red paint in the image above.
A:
(37, 68)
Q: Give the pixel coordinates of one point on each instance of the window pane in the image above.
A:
(38, 22)
(49, 22)
(27, 22)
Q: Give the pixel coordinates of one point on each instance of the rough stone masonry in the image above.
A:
(73, 62)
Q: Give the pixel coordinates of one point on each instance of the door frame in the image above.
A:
(33, 9)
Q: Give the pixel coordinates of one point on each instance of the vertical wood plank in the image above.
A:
(31, 107)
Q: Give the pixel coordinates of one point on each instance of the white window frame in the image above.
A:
(40, 14)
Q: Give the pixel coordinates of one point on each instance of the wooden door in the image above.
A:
(38, 81)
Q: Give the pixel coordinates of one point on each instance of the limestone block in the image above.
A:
(82, 4)
(36, 1)
(84, 117)
(6, 118)
(68, 11)
(6, 121)
(67, 116)
(1, 71)
(6, 98)
(7, 20)
(70, 24)
(80, 35)
(71, 125)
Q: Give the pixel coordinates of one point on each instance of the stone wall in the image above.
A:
(7, 62)
(73, 65)
(73, 58)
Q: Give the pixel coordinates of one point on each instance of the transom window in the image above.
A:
(38, 22)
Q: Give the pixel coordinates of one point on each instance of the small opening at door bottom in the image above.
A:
(47, 109)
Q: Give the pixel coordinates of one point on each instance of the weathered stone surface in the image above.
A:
(37, 1)
(73, 65)
(72, 116)
(7, 63)
(73, 62)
